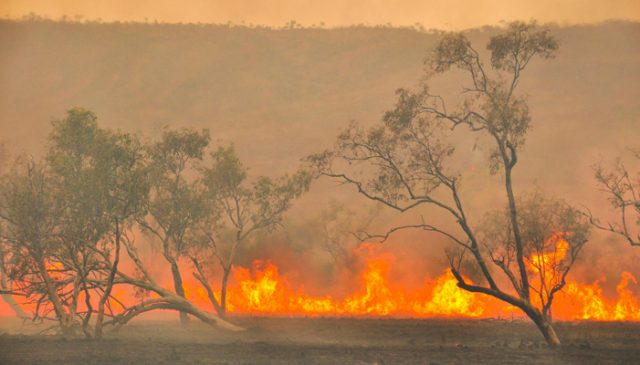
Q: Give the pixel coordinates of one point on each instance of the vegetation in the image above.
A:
(67, 219)
(622, 188)
(406, 163)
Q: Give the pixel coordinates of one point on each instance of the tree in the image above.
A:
(100, 178)
(405, 163)
(622, 187)
(239, 209)
(5, 287)
(30, 232)
(553, 234)
(91, 186)
(176, 205)
(65, 221)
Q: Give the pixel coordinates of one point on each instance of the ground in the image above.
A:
(328, 341)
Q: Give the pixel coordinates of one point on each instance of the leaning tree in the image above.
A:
(520, 254)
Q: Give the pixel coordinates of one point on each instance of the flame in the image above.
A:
(262, 289)
(583, 301)
(554, 257)
(448, 299)
(588, 301)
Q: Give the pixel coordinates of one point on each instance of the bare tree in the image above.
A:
(405, 162)
(622, 188)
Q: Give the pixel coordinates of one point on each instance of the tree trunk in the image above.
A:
(223, 291)
(65, 319)
(177, 283)
(171, 301)
(174, 301)
(109, 286)
(202, 278)
(513, 214)
(547, 330)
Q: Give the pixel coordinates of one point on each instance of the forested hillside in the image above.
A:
(281, 94)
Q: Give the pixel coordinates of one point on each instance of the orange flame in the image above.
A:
(263, 290)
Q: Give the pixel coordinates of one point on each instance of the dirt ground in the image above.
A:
(327, 341)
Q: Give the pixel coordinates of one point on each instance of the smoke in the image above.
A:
(282, 95)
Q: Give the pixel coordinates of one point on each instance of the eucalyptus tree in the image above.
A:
(83, 195)
(240, 207)
(66, 219)
(176, 204)
(407, 161)
(126, 188)
(30, 220)
(100, 180)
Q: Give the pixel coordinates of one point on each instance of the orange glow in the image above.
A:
(263, 290)
(588, 302)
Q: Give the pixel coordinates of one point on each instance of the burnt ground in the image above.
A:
(328, 341)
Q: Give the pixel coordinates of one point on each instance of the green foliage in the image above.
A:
(100, 175)
(30, 215)
(176, 150)
(176, 202)
(248, 206)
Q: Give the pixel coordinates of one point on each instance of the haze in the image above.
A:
(277, 176)
(439, 14)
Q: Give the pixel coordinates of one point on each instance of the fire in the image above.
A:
(263, 291)
(591, 304)
(627, 306)
(448, 299)
(583, 301)
(378, 298)
(553, 258)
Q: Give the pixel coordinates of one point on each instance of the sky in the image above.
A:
(438, 14)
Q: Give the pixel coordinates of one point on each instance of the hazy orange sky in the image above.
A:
(441, 14)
